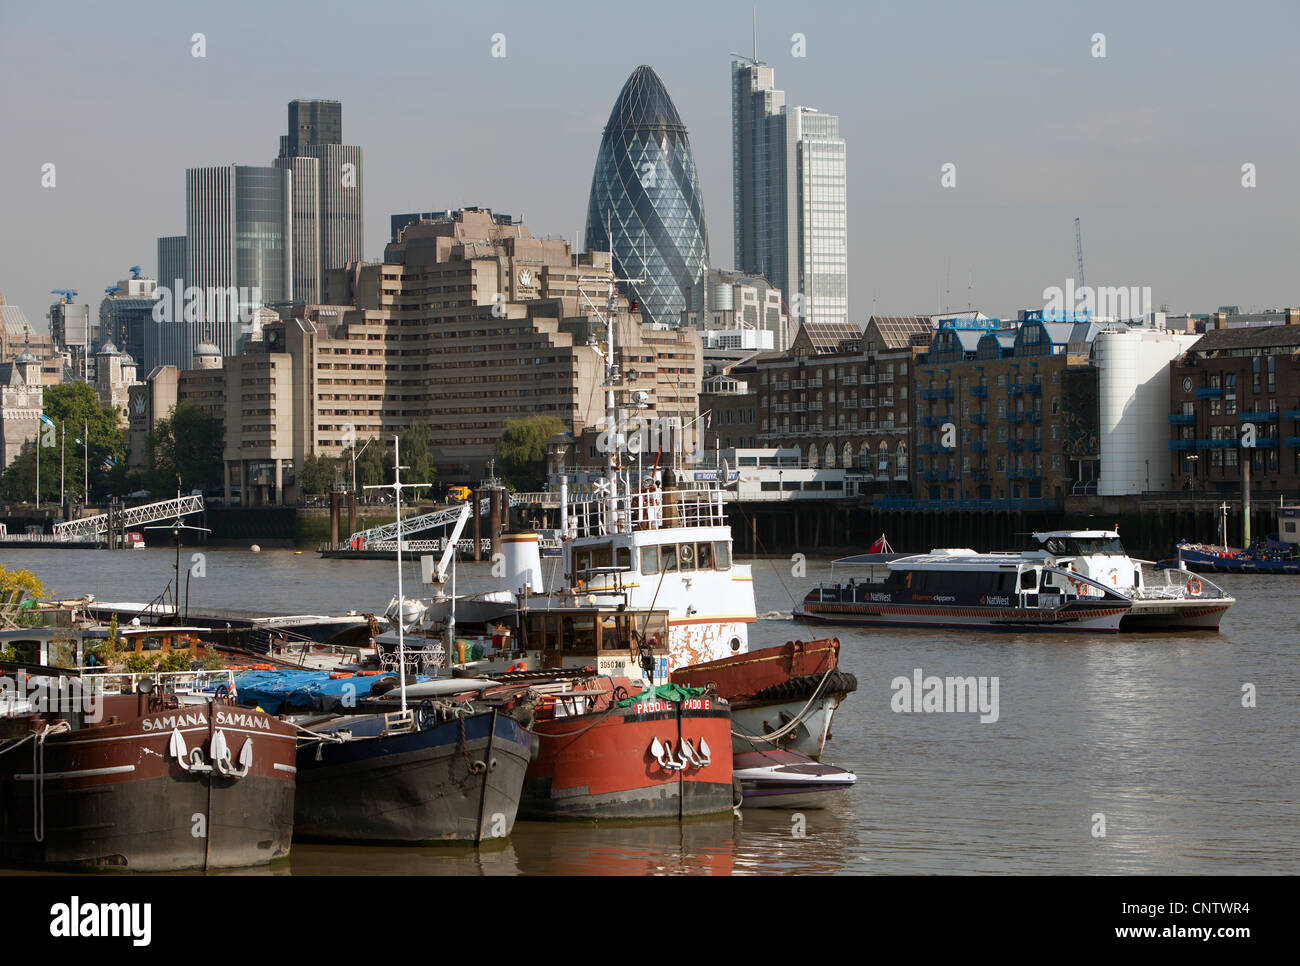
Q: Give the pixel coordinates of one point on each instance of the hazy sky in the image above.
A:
(1146, 145)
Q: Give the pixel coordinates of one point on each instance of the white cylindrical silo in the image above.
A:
(522, 557)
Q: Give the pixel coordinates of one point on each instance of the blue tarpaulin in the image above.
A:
(288, 691)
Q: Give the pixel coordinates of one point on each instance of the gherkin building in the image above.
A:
(644, 193)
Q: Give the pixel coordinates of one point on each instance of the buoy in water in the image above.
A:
(255, 548)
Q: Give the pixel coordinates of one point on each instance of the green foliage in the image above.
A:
(73, 406)
(318, 473)
(417, 453)
(176, 661)
(521, 452)
(212, 661)
(187, 443)
(142, 663)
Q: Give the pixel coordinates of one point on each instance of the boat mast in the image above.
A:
(397, 488)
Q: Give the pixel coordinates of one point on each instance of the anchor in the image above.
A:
(663, 754)
(221, 756)
(190, 760)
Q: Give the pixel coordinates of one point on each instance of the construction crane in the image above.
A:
(112, 291)
(68, 293)
(1078, 251)
(135, 271)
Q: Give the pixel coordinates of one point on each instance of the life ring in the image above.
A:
(687, 553)
(520, 666)
(1194, 587)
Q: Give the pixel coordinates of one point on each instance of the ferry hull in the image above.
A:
(1091, 618)
(1187, 614)
(599, 766)
(420, 786)
(115, 797)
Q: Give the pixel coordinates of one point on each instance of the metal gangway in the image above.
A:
(131, 517)
(385, 537)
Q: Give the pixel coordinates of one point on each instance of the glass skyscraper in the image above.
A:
(645, 204)
(789, 177)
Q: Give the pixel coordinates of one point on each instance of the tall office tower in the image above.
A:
(239, 252)
(645, 204)
(326, 203)
(164, 337)
(126, 315)
(788, 195)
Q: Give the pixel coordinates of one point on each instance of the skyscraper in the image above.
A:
(645, 204)
(239, 251)
(326, 203)
(788, 195)
(165, 342)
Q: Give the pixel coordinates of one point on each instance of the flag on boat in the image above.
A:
(879, 546)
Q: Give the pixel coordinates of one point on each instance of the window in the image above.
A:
(649, 560)
(722, 555)
(704, 556)
(686, 556)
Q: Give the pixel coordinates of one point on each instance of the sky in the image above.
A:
(1145, 145)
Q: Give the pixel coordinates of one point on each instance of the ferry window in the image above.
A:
(535, 631)
(704, 556)
(668, 558)
(649, 560)
(686, 556)
(722, 555)
(653, 631)
(581, 562)
(1028, 580)
(602, 556)
(623, 558)
(1006, 582)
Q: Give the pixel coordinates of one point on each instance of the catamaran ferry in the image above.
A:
(960, 588)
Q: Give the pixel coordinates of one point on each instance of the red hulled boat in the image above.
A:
(603, 755)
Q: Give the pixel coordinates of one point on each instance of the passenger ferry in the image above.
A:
(1164, 599)
(960, 588)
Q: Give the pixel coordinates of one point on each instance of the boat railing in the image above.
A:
(1177, 584)
(172, 682)
(647, 509)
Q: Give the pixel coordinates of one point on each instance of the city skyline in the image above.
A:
(1146, 144)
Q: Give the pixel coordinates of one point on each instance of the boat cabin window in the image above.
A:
(704, 556)
(590, 557)
(686, 556)
(1094, 545)
(668, 558)
(614, 632)
(25, 652)
(1029, 579)
(578, 634)
(623, 558)
(649, 560)
(722, 555)
(951, 581)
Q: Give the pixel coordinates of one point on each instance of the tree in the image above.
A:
(417, 454)
(521, 451)
(72, 407)
(186, 443)
(318, 473)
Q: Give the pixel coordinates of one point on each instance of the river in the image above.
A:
(1108, 755)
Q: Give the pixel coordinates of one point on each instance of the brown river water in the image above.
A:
(1144, 734)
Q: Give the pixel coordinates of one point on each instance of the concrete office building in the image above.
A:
(789, 177)
(72, 335)
(739, 302)
(126, 316)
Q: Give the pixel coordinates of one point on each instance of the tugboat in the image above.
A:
(138, 782)
(606, 754)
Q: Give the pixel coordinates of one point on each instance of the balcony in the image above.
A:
(1292, 442)
(1015, 445)
(1016, 389)
(1034, 387)
(781, 386)
(814, 383)
(867, 379)
(1034, 417)
(886, 377)
(868, 403)
(942, 393)
(1291, 415)
(980, 419)
(1016, 417)
(1214, 392)
(816, 406)
(1259, 416)
(798, 384)
(798, 407)
(1033, 446)
(979, 447)
(1230, 443)
(980, 392)
(1182, 444)
(1264, 442)
(1182, 419)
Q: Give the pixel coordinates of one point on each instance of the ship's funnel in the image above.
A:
(522, 556)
